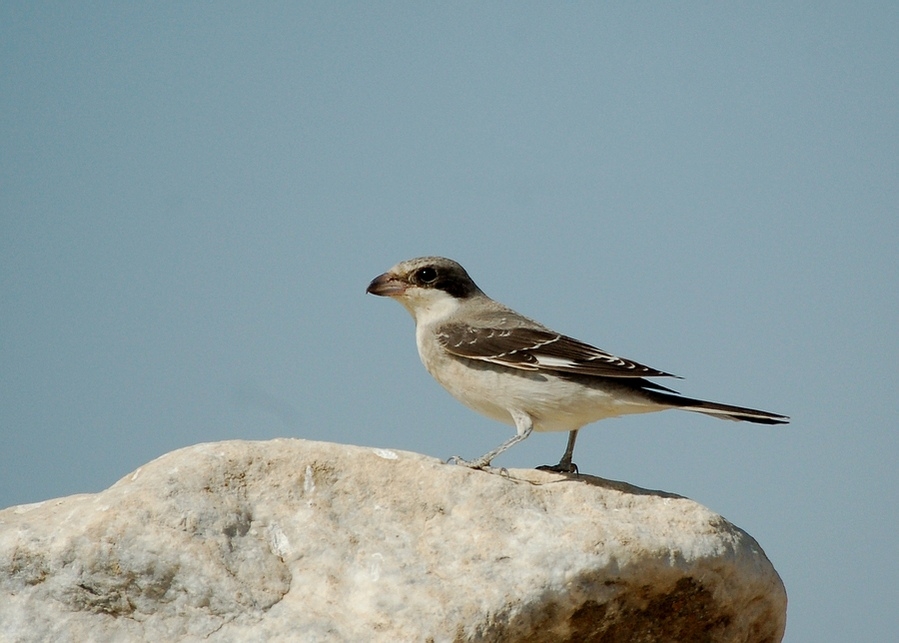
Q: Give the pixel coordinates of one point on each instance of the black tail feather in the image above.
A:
(723, 411)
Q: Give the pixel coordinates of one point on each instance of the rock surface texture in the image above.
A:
(291, 540)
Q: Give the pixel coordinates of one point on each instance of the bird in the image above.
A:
(515, 370)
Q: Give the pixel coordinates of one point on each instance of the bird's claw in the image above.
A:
(480, 464)
(562, 467)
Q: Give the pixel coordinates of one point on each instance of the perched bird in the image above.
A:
(515, 370)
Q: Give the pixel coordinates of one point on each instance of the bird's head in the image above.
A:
(428, 287)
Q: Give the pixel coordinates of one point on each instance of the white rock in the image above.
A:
(292, 540)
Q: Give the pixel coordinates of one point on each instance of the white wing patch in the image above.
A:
(554, 362)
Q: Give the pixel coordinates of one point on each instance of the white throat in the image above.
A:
(430, 307)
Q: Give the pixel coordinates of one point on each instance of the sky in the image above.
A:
(194, 196)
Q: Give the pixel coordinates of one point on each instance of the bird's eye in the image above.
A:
(427, 275)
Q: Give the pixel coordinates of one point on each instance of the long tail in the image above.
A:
(723, 411)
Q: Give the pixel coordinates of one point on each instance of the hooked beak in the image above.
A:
(386, 285)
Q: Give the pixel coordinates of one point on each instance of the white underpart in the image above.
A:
(503, 393)
(499, 392)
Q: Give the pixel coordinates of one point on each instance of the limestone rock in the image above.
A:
(292, 540)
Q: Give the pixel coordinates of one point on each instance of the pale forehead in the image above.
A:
(419, 262)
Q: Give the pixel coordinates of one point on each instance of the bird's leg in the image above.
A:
(524, 425)
(565, 464)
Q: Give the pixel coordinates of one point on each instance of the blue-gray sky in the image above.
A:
(193, 197)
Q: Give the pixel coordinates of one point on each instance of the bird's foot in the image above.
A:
(480, 464)
(562, 467)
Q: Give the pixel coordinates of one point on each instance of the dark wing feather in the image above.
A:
(535, 349)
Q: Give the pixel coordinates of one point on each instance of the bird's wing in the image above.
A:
(537, 349)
